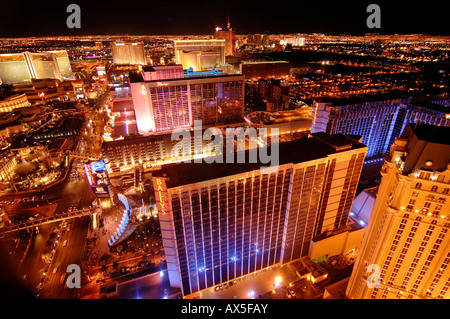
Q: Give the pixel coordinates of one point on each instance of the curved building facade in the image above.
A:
(13, 102)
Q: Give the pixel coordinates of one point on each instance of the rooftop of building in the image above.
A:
(417, 99)
(362, 98)
(138, 78)
(428, 148)
(11, 96)
(337, 289)
(264, 62)
(61, 144)
(154, 68)
(121, 105)
(133, 139)
(283, 116)
(431, 133)
(421, 102)
(318, 146)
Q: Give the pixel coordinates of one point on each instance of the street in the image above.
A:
(72, 253)
(49, 241)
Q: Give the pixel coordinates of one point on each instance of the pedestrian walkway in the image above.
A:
(102, 234)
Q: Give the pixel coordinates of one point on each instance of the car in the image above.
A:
(55, 270)
(65, 243)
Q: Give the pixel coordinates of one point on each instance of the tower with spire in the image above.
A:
(229, 35)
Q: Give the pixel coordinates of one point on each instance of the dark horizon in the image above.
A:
(40, 19)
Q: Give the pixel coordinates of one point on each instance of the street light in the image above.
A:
(278, 281)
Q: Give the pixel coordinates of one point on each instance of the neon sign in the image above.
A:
(160, 189)
(162, 84)
(87, 169)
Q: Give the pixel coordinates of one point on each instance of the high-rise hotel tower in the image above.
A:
(220, 221)
(405, 252)
(128, 53)
(160, 106)
(378, 122)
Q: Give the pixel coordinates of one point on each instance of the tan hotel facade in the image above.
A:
(408, 234)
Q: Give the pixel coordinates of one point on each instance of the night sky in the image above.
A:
(20, 18)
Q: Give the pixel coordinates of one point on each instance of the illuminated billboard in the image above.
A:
(97, 176)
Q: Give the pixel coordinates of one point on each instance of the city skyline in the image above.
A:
(136, 18)
(134, 151)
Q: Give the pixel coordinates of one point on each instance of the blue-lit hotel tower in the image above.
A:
(377, 122)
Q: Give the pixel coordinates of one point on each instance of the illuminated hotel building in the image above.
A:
(199, 61)
(229, 35)
(145, 150)
(408, 234)
(378, 122)
(14, 68)
(128, 53)
(21, 68)
(275, 93)
(161, 106)
(223, 221)
(295, 41)
(63, 64)
(265, 69)
(199, 54)
(13, 102)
